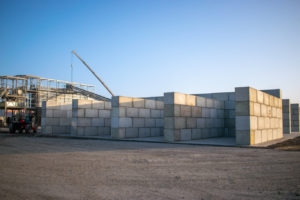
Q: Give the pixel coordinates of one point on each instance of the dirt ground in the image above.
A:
(52, 168)
(289, 145)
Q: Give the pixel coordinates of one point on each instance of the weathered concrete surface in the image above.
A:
(44, 168)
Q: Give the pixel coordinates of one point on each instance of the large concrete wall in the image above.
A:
(189, 117)
(286, 116)
(136, 117)
(258, 116)
(229, 110)
(91, 118)
(295, 118)
(56, 117)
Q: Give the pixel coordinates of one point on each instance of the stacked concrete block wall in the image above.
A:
(91, 118)
(189, 117)
(286, 116)
(229, 110)
(136, 117)
(295, 118)
(56, 117)
(258, 116)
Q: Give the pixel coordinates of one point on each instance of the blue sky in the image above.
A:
(148, 47)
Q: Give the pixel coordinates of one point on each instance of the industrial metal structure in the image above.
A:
(25, 92)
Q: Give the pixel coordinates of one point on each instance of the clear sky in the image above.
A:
(148, 47)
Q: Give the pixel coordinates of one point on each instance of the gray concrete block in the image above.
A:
(52, 121)
(201, 123)
(99, 105)
(169, 122)
(118, 133)
(91, 113)
(155, 132)
(186, 111)
(155, 113)
(169, 135)
(138, 122)
(124, 122)
(179, 98)
(172, 110)
(132, 112)
(191, 123)
(131, 132)
(102, 131)
(196, 111)
(242, 94)
(242, 123)
(213, 113)
(229, 105)
(185, 134)
(115, 122)
(97, 121)
(242, 138)
(196, 134)
(138, 103)
(107, 105)
(210, 103)
(179, 122)
(105, 113)
(159, 123)
(65, 121)
(209, 123)
(49, 113)
(107, 122)
(201, 102)
(90, 131)
(169, 98)
(84, 122)
(150, 123)
(160, 105)
(242, 108)
(125, 102)
(144, 132)
(206, 112)
(144, 113)
(150, 104)
(190, 100)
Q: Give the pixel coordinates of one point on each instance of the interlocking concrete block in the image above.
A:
(266, 99)
(162, 114)
(80, 131)
(102, 131)
(125, 101)
(185, 134)
(242, 108)
(190, 100)
(172, 110)
(97, 121)
(61, 129)
(220, 113)
(267, 123)
(144, 113)
(149, 123)
(242, 138)
(138, 103)
(52, 121)
(171, 135)
(261, 122)
(132, 132)
(256, 109)
(105, 113)
(201, 123)
(159, 123)
(91, 113)
(201, 102)
(160, 105)
(118, 133)
(179, 98)
(107, 105)
(269, 134)
(206, 133)
(205, 112)
(155, 113)
(196, 134)
(59, 113)
(210, 103)
(196, 111)
(69, 113)
(179, 122)
(155, 132)
(169, 122)
(150, 104)
(65, 121)
(85, 104)
(271, 101)
(186, 111)
(144, 132)
(274, 112)
(84, 122)
(118, 112)
(260, 97)
(124, 122)
(209, 123)
(213, 113)
(191, 123)
(242, 94)
(229, 105)
(257, 136)
(138, 122)
(242, 123)
(264, 135)
(90, 131)
(49, 113)
(169, 98)
(263, 110)
(99, 105)
(252, 95)
(132, 112)
(107, 122)
(279, 113)
(47, 130)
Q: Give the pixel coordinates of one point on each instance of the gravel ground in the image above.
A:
(52, 168)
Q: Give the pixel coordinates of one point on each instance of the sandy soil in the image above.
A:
(51, 168)
(289, 145)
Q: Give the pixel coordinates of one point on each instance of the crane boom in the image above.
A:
(93, 73)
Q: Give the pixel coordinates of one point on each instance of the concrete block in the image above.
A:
(155, 113)
(155, 132)
(132, 112)
(206, 133)
(205, 112)
(179, 122)
(59, 113)
(252, 95)
(257, 136)
(150, 123)
(131, 132)
(90, 131)
(213, 113)
(196, 111)
(69, 113)
(160, 105)
(150, 104)
(269, 134)
(190, 100)
(242, 108)
(274, 112)
(159, 123)
(185, 134)
(52, 121)
(264, 135)
(97, 121)
(49, 113)
(80, 113)
(242, 138)
(138, 103)
(169, 98)
(144, 132)
(179, 98)
(124, 122)
(271, 100)
(201, 102)
(171, 135)
(105, 113)
(118, 133)
(267, 123)
(65, 121)
(242, 94)
(201, 123)
(209, 123)
(191, 122)
(84, 121)
(266, 99)
(144, 113)
(210, 103)
(186, 111)
(260, 97)
(80, 131)
(172, 110)
(220, 113)
(263, 110)
(125, 101)
(196, 134)
(229, 105)
(138, 122)
(118, 112)
(99, 105)
(169, 122)
(256, 109)
(242, 123)
(61, 129)
(102, 131)
(107, 105)
(261, 122)
(107, 122)
(85, 104)
(91, 113)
